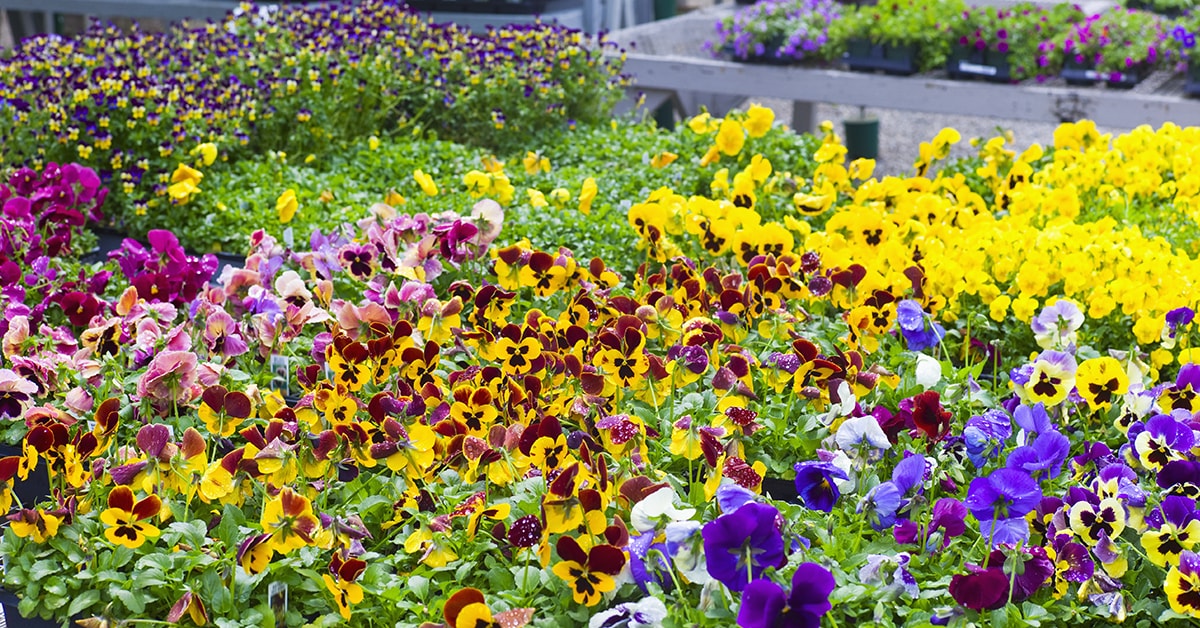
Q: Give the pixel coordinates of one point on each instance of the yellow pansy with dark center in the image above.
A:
(1164, 545)
(1182, 585)
(124, 518)
(1089, 521)
(1100, 380)
(518, 355)
(589, 574)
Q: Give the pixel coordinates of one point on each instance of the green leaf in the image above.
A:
(131, 600)
(43, 569)
(238, 376)
(419, 586)
(83, 600)
(55, 586)
(27, 606)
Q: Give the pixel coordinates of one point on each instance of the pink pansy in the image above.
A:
(221, 335)
(299, 317)
(489, 217)
(355, 320)
(170, 378)
(291, 288)
(79, 400)
(266, 329)
(39, 370)
(209, 374)
(16, 394)
(234, 280)
(17, 334)
(416, 292)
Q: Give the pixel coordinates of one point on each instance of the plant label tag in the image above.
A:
(281, 374)
(967, 67)
(277, 593)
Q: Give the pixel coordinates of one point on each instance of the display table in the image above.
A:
(667, 59)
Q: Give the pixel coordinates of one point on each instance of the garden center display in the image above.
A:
(488, 356)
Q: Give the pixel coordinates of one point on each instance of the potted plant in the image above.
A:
(1121, 47)
(777, 32)
(1166, 8)
(1184, 35)
(894, 38)
(1001, 44)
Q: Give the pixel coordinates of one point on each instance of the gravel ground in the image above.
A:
(901, 132)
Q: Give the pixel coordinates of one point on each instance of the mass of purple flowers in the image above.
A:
(780, 30)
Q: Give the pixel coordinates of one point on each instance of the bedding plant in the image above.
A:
(778, 31)
(826, 399)
(154, 113)
(902, 24)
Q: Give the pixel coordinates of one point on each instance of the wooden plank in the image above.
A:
(917, 93)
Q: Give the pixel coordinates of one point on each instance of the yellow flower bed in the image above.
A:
(1053, 224)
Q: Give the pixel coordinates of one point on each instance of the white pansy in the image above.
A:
(928, 371)
(648, 513)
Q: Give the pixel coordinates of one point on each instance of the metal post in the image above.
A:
(804, 116)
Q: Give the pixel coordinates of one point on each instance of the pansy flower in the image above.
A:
(124, 519)
(288, 519)
(223, 411)
(1052, 378)
(1042, 459)
(589, 574)
(981, 589)
(467, 608)
(931, 419)
(1090, 521)
(892, 573)
(816, 484)
(1055, 326)
(16, 394)
(1180, 477)
(1179, 317)
(1164, 439)
(189, 604)
(741, 544)
(1182, 585)
(919, 332)
(649, 612)
(1100, 380)
(985, 435)
(1000, 502)
(1178, 532)
(1185, 394)
(36, 525)
(1072, 563)
(342, 583)
(766, 605)
(431, 543)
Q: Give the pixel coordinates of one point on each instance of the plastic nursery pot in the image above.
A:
(1191, 85)
(32, 490)
(223, 260)
(12, 617)
(664, 9)
(781, 489)
(106, 240)
(862, 138)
